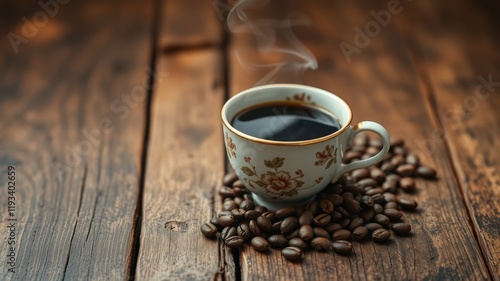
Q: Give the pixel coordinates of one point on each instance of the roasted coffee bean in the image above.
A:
(399, 151)
(313, 207)
(407, 184)
(336, 216)
(288, 225)
(381, 219)
(373, 226)
(276, 227)
(264, 224)
(395, 142)
(351, 155)
(229, 178)
(293, 234)
(360, 174)
(228, 231)
(344, 222)
(354, 188)
(341, 234)
(405, 170)
(367, 202)
(226, 220)
(332, 227)
(284, 212)
(388, 167)
(407, 204)
(377, 174)
(247, 205)
(226, 192)
(372, 150)
(306, 218)
(378, 209)
(261, 209)
(252, 214)
(397, 160)
(215, 221)
(321, 244)
(413, 159)
(208, 229)
(254, 228)
(360, 232)
(238, 213)
(389, 197)
(336, 199)
(239, 191)
(292, 253)
(342, 247)
(380, 235)
(326, 206)
(374, 191)
(393, 214)
(299, 210)
(320, 232)
(229, 205)
(244, 231)
(299, 243)
(337, 188)
(376, 143)
(352, 206)
(277, 241)
(361, 139)
(401, 228)
(393, 177)
(367, 215)
(354, 223)
(426, 172)
(306, 232)
(270, 216)
(238, 200)
(391, 205)
(234, 242)
(389, 186)
(322, 219)
(259, 244)
(367, 182)
(378, 199)
(347, 195)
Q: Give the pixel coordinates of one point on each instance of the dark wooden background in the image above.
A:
(110, 114)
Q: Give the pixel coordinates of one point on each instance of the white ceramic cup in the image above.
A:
(282, 173)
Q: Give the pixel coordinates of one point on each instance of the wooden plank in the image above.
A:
(75, 143)
(459, 64)
(185, 163)
(381, 84)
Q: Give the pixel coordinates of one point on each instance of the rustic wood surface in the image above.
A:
(130, 206)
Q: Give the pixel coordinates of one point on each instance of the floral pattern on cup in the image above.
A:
(276, 181)
(303, 97)
(328, 156)
(231, 147)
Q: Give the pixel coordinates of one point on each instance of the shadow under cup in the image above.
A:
(280, 173)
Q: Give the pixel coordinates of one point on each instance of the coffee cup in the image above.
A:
(294, 147)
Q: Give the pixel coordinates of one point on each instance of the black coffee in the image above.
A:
(286, 122)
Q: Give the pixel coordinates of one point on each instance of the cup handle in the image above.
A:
(372, 127)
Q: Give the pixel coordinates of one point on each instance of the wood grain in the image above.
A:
(380, 84)
(185, 163)
(457, 62)
(75, 143)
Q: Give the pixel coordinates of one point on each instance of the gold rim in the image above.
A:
(344, 127)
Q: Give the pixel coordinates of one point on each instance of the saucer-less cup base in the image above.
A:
(291, 173)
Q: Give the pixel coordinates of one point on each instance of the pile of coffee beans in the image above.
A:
(364, 204)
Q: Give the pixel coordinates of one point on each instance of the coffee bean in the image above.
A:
(391, 205)
(234, 242)
(229, 178)
(254, 228)
(288, 225)
(341, 234)
(367, 215)
(354, 188)
(261, 209)
(350, 156)
(336, 216)
(395, 142)
(377, 174)
(306, 232)
(399, 151)
(292, 253)
(360, 232)
(397, 160)
(332, 227)
(352, 206)
(389, 186)
(270, 216)
(322, 219)
(347, 195)
(380, 235)
(393, 177)
(306, 218)
(285, 212)
(367, 182)
(239, 191)
(228, 231)
(312, 207)
(299, 210)
(413, 159)
(208, 229)
(215, 221)
(373, 226)
(376, 143)
(393, 214)
(277, 241)
(259, 244)
(366, 202)
(326, 206)
(226, 220)
(247, 205)
(226, 192)
(244, 231)
(426, 172)
(378, 209)
(276, 227)
(405, 170)
(229, 205)
(238, 214)
(381, 219)
(293, 234)
(299, 243)
(372, 150)
(407, 184)
(354, 223)
(401, 228)
(388, 167)
(407, 204)
(264, 224)
(238, 200)
(360, 174)
(320, 232)
(345, 222)
(252, 214)
(321, 244)
(378, 199)
(337, 187)
(389, 197)
(336, 199)
(361, 139)
(342, 247)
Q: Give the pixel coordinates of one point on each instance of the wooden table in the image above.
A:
(110, 117)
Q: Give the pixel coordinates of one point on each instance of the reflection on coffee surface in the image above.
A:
(282, 121)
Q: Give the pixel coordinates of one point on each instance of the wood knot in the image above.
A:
(176, 226)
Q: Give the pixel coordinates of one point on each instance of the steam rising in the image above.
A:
(273, 37)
